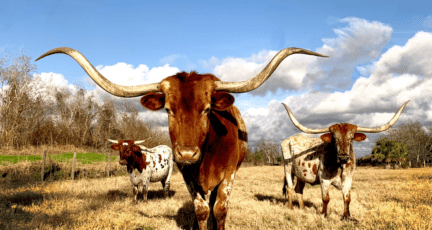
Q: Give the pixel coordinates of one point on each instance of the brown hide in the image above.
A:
(341, 137)
(207, 132)
(130, 155)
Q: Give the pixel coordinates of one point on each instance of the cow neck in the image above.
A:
(138, 163)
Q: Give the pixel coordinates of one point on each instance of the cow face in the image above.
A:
(188, 100)
(342, 136)
(127, 149)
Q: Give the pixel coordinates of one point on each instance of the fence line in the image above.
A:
(109, 162)
(73, 166)
(43, 165)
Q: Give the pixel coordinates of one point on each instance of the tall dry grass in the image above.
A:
(381, 199)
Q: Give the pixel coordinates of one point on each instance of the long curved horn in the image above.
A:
(112, 88)
(142, 141)
(251, 84)
(386, 126)
(112, 141)
(300, 126)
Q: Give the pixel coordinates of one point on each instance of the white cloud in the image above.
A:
(400, 74)
(46, 85)
(358, 43)
(125, 74)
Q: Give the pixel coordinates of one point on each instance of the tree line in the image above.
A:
(409, 142)
(33, 114)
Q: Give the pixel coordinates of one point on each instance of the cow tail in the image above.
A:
(284, 191)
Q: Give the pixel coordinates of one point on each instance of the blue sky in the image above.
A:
(135, 42)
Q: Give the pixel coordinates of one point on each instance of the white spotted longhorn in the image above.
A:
(145, 165)
(328, 160)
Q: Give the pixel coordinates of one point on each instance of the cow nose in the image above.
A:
(343, 159)
(123, 162)
(187, 155)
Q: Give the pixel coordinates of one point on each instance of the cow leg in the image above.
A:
(202, 211)
(299, 192)
(146, 185)
(325, 185)
(166, 181)
(220, 208)
(288, 182)
(346, 192)
(166, 185)
(213, 196)
(201, 207)
(135, 192)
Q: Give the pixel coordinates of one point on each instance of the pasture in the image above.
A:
(381, 199)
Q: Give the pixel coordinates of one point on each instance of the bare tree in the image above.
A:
(413, 135)
(270, 151)
(33, 112)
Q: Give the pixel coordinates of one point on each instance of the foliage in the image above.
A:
(390, 151)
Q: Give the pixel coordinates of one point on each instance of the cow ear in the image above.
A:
(115, 147)
(153, 101)
(326, 137)
(359, 136)
(136, 148)
(221, 100)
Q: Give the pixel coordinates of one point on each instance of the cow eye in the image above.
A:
(170, 113)
(206, 111)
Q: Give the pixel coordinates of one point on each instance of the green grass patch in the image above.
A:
(84, 158)
(16, 159)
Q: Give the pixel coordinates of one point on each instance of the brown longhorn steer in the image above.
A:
(207, 132)
(328, 160)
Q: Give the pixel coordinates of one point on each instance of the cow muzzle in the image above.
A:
(343, 159)
(187, 155)
(123, 162)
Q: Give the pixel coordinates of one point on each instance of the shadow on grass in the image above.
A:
(185, 216)
(13, 214)
(283, 201)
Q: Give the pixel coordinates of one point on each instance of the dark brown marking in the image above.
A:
(160, 158)
(314, 169)
(299, 163)
(309, 164)
(302, 163)
(131, 154)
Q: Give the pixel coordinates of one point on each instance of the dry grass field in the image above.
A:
(381, 199)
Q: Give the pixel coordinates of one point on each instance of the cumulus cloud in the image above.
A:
(402, 73)
(46, 84)
(125, 74)
(358, 43)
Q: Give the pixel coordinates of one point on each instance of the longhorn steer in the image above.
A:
(207, 132)
(145, 165)
(328, 160)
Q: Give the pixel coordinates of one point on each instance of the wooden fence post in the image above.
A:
(73, 166)
(43, 165)
(109, 162)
